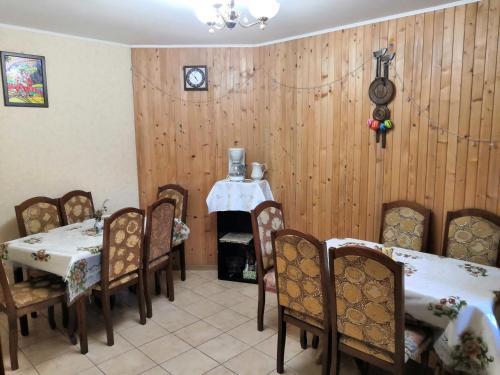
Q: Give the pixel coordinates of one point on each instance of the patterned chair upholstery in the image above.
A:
(38, 215)
(299, 283)
(405, 224)
(367, 305)
(266, 217)
(473, 238)
(178, 197)
(77, 206)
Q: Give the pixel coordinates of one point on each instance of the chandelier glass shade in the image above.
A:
(220, 14)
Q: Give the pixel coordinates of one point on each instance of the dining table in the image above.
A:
(72, 252)
(455, 297)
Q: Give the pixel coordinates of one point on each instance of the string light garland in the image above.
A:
(421, 111)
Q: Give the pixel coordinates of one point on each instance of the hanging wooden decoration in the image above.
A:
(381, 92)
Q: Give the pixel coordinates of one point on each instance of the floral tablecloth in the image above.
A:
(455, 296)
(228, 195)
(72, 251)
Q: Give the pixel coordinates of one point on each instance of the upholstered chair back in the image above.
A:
(36, 215)
(159, 229)
(122, 249)
(77, 206)
(299, 280)
(474, 236)
(367, 288)
(405, 224)
(266, 217)
(179, 195)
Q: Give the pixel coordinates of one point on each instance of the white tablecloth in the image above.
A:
(238, 196)
(72, 251)
(457, 297)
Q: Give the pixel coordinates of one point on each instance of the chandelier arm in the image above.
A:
(251, 24)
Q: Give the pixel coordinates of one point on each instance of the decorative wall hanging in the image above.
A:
(196, 78)
(381, 92)
(24, 80)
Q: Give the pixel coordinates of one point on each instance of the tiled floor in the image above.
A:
(210, 329)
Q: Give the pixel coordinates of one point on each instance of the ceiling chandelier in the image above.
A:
(220, 14)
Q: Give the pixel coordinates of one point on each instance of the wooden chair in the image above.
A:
(405, 224)
(157, 247)
(76, 206)
(26, 297)
(367, 308)
(266, 217)
(300, 267)
(180, 196)
(121, 265)
(472, 235)
(36, 215)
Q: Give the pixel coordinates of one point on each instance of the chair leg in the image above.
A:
(14, 364)
(82, 324)
(182, 261)
(280, 358)
(140, 299)
(157, 283)
(170, 281)
(23, 323)
(52, 320)
(2, 368)
(147, 295)
(106, 310)
(64, 311)
(327, 352)
(260, 307)
(303, 339)
(315, 342)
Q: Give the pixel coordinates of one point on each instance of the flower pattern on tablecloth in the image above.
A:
(471, 355)
(41, 255)
(408, 255)
(33, 240)
(91, 232)
(78, 276)
(4, 251)
(449, 307)
(473, 270)
(409, 269)
(91, 249)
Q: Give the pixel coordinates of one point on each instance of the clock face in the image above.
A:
(195, 78)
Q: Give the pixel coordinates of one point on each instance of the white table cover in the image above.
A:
(456, 296)
(238, 196)
(72, 251)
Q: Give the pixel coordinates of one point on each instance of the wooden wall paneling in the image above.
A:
(324, 164)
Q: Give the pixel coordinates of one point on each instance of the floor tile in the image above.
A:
(143, 334)
(186, 298)
(192, 362)
(67, 363)
(29, 371)
(47, 349)
(251, 291)
(91, 371)
(209, 288)
(165, 348)
(223, 348)
(158, 370)
(174, 320)
(221, 370)
(205, 308)
(305, 363)
(198, 333)
(270, 347)
(247, 332)
(24, 364)
(130, 363)
(249, 308)
(226, 319)
(99, 351)
(229, 298)
(251, 362)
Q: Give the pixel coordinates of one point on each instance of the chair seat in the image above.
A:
(303, 317)
(37, 290)
(118, 282)
(158, 261)
(416, 341)
(270, 280)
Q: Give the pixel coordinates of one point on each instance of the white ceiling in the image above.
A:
(172, 22)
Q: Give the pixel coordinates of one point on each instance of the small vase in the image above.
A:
(98, 226)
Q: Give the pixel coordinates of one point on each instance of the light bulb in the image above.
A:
(206, 13)
(263, 8)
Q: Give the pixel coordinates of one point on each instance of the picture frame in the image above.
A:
(24, 80)
(195, 77)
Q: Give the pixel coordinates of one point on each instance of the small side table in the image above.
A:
(233, 202)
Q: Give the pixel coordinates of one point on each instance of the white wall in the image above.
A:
(84, 140)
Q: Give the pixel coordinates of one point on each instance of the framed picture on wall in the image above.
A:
(24, 80)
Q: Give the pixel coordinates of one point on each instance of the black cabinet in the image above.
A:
(235, 248)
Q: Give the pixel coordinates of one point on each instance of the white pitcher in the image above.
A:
(258, 171)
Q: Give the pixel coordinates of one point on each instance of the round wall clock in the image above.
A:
(196, 78)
